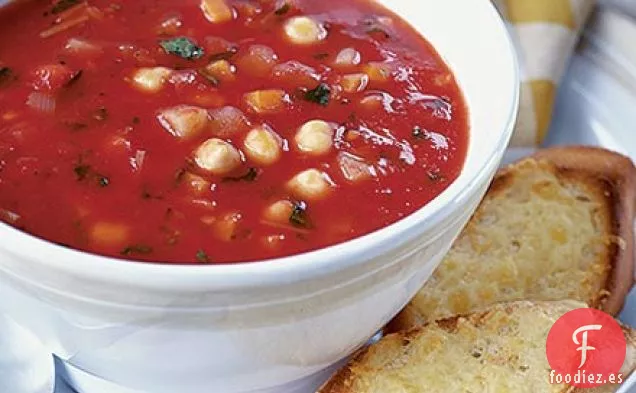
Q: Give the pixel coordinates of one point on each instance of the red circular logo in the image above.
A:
(586, 348)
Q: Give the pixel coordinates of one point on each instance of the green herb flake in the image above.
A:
(283, 9)
(136, 249)
(6, 74)
(100, 114)
(182, 47)
(82, 171)
(75, 126)
(320, 95)
(63, 5)
(420, 133)
(203, 257)
(298, 216)
(103, 181)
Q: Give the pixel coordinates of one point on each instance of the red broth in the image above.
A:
(105, 107)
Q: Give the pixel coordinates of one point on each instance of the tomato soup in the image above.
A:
(219, 131)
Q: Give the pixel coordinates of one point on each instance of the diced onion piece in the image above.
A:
(151, 80)
(109, 234)
(273, 242)
(225, 228)
(259, 60)
(217, 157)
(266, 101)
(217, 46)
(207, 98)
(137, 162)
(41, 102)
(295, 74)
(217, 11)
(170, 26)
(52, 77)
(248, 9)
(228, 121)
(315, 137)
(79, 46)
(377, 71)
(9, 216)
(221, 71)
(348, 57)
(263, 146)
(184, 121)
(311, 184)
(354, 83)
(279, 212)
(354, 168)
(197, 184)
(372, 102)
(443, 79)
(304, 30)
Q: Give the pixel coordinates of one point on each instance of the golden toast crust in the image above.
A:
(608, 178)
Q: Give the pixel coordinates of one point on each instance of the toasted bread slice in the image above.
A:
(501, 349)
(555, 226)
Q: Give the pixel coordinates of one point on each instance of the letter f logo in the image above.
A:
(584, 348)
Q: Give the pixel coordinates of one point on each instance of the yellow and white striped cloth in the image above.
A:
(545, 33)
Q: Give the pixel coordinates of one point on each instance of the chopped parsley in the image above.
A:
(136, 249)
(182, 47)
(283, 9)
(435, 175)
(6, 75)
(320, 95)
(103, 181)
(85, 172)
(82, 171)
(63, 5)
(203, 257)
(100, 114)
(420, 133)
(76, 126)
(298, 216)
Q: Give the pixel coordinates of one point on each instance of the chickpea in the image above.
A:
(315, 137)
(378, 72)
(348, 57)
(266, 101)
(354, 83)
(109, 234)
(263, 146)
(217, 157)
(311, 184)
(220, 71)
(279, 212)
(151, 80)
(217, 11)
(184, 121)
(303, 30)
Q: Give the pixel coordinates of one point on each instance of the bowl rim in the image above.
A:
(188, 277)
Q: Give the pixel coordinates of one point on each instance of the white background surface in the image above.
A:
(597, 103)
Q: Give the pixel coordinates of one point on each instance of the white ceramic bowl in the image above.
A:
(267, 326)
